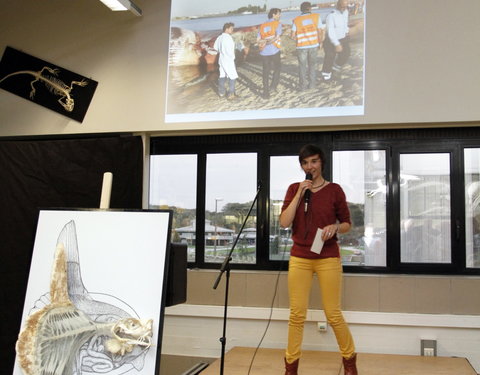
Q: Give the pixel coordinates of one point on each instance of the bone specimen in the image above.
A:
(72, 332)
(53, 84)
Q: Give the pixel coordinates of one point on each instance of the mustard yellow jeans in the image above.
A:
(329, 274)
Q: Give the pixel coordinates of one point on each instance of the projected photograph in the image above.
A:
(243, 60)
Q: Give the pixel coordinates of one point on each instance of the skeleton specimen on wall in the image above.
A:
(46, 84)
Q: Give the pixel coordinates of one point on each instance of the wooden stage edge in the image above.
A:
(270, 362)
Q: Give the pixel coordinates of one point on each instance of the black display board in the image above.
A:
(46, 84)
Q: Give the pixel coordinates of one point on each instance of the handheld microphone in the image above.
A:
(306, 196)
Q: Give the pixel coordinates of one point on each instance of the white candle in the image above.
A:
(106, 190)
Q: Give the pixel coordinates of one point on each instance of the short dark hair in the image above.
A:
(227, 25)
(306, 6)
(310, 150)
(274, 11)
(338, 3)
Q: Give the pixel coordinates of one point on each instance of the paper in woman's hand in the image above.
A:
(317, 244)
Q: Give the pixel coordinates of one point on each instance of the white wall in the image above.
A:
(193, 330)
(421, 67)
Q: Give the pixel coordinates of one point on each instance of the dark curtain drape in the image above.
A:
(38, 174)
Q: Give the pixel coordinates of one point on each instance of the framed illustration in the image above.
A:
(46, 84)
(200, 86)
(96, 293)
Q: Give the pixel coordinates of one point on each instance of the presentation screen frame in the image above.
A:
(192, 77)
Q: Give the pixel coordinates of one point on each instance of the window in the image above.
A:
(284, 170)
(425, 208)
(413, 194)
(173, 185)
(472, 207)
(231, 183)
(362, 175)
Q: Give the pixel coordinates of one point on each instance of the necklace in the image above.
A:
(319, 186)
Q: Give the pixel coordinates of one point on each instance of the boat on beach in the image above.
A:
(189, 47)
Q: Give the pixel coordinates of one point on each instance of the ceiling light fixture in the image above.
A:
(120, 5)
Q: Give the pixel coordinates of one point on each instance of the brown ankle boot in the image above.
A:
(350, 365)
(291, 368)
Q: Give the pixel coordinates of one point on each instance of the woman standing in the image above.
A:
(325, 208)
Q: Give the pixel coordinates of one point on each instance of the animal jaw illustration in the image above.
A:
(73, 333)
(53, 84)
(128, 333)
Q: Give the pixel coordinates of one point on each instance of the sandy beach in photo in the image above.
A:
(193, 89)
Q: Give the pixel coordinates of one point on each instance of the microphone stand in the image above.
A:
(226, 268)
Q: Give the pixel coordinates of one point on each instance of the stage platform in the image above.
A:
(270, 362)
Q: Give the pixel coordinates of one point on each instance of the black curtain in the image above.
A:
(37, 174)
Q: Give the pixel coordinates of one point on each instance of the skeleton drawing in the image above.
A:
(53, 84)
(71, 333)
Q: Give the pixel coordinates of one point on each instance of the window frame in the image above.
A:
(455, 214)
(393, 142)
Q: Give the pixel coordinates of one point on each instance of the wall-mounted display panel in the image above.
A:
(324, 80)
(95, 295)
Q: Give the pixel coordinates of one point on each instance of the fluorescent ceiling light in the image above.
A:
(120, 5)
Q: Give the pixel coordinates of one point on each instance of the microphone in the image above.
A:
(306, 196)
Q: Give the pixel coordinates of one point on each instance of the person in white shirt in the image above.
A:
(337, 43)
(225, 47)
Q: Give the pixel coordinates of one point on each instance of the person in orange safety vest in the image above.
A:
(308, 31)
(269, 43)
